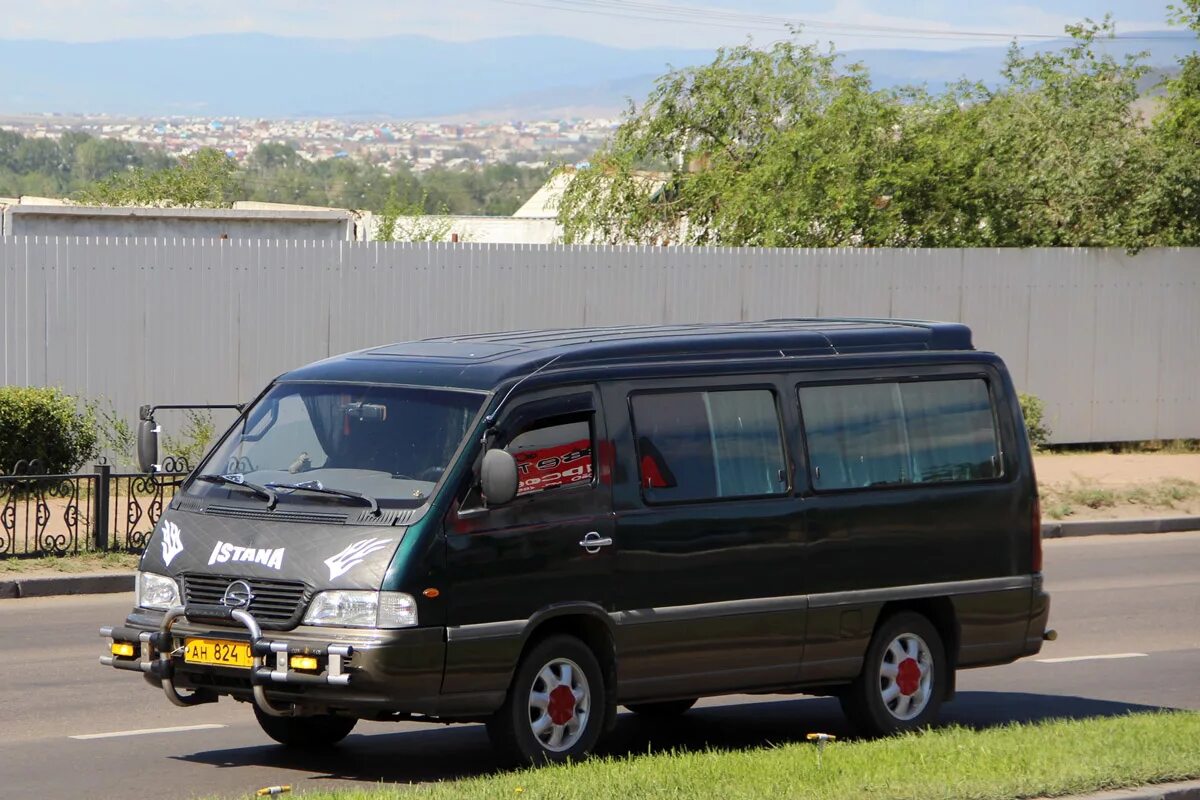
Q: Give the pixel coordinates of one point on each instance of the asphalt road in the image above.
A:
(1112, 596)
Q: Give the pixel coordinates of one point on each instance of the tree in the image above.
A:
(407, 222)
(1063, 154)
(1173, 204)
(783, 123)
(97, 159)
(785, 146)
(206, 179)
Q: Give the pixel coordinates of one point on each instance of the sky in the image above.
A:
(850, 24)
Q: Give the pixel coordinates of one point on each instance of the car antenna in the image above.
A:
(491, 418)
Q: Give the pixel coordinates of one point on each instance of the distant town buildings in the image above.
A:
(419, 145)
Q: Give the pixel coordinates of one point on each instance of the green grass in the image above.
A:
(1046, 759)
(84, 562)
(1168, 493)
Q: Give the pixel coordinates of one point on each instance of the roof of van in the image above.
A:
(485, 360)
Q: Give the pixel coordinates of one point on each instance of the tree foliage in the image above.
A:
(55, 168)
(206, 179)
(1173, 204)
(408, 222)
(112, 172)
(788, 147)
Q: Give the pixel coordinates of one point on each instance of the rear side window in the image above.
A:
(708, 445)
(883, 434)
(551, 455)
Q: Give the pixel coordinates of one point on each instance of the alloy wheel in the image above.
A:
(559, 705)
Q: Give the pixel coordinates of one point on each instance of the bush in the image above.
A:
(116, 439)
(1034, 411)
(46, 425)
(192, 443)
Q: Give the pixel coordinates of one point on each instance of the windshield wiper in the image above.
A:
(317, 488)
(238, 480)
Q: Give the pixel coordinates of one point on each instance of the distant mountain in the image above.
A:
(255, 75)
(936, 69)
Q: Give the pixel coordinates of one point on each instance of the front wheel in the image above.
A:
(554, 711)
(903, 678)
(306, 733)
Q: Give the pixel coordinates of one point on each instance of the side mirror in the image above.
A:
(147, 445)
(498, 477)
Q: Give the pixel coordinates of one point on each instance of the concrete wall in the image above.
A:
(65, 220)
(1109, 341)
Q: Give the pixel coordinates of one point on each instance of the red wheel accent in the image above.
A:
(908, 676)
(562, 705)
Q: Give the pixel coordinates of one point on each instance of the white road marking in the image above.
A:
(147, 731)
(1090, 658)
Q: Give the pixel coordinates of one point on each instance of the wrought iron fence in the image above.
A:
(64, 514)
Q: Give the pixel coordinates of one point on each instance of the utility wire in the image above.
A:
(660, 12)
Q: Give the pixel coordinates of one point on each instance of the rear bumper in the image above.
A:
(369, 673)
(1039, 618)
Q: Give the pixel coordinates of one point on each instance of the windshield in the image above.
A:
(327, 442)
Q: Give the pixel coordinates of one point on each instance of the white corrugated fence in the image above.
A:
(1110, 342)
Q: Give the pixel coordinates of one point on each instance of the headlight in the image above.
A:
(362, 609)
(157, 592)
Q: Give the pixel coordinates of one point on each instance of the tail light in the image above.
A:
(1035, 535)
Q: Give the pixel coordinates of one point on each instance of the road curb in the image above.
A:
(47, 586)
(1106, 527)
(1185, 790)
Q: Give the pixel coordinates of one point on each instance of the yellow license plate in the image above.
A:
(217, 653)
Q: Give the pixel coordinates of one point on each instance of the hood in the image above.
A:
(324, 556)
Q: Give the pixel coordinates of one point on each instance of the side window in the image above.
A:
(552, 454)
(855, 436)
(951, 431)
(883, 434)
(708, 445)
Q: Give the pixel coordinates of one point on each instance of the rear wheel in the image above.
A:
(666, 708)
(903, 678)
(554, 711)
(308, 733)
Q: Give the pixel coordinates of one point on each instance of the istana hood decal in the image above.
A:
(268, 557)
(353, 555)
(356, 556)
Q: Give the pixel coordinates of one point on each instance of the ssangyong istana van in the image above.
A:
(531, 529)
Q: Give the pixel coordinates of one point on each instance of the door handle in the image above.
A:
(593, 541)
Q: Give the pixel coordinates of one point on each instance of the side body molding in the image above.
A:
(484, 655)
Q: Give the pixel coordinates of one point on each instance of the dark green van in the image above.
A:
(531, 529)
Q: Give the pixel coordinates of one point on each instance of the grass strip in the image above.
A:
(1046, 759)
(1061, 500)
(83, 562)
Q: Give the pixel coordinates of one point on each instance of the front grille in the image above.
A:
(277, 605)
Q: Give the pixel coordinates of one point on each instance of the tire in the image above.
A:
(903, 679)
(664, 709)
(306, 733)
(554, 711)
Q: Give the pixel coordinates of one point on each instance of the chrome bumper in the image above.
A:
(156, 649)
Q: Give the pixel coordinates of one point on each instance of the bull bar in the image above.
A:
(156, 649)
